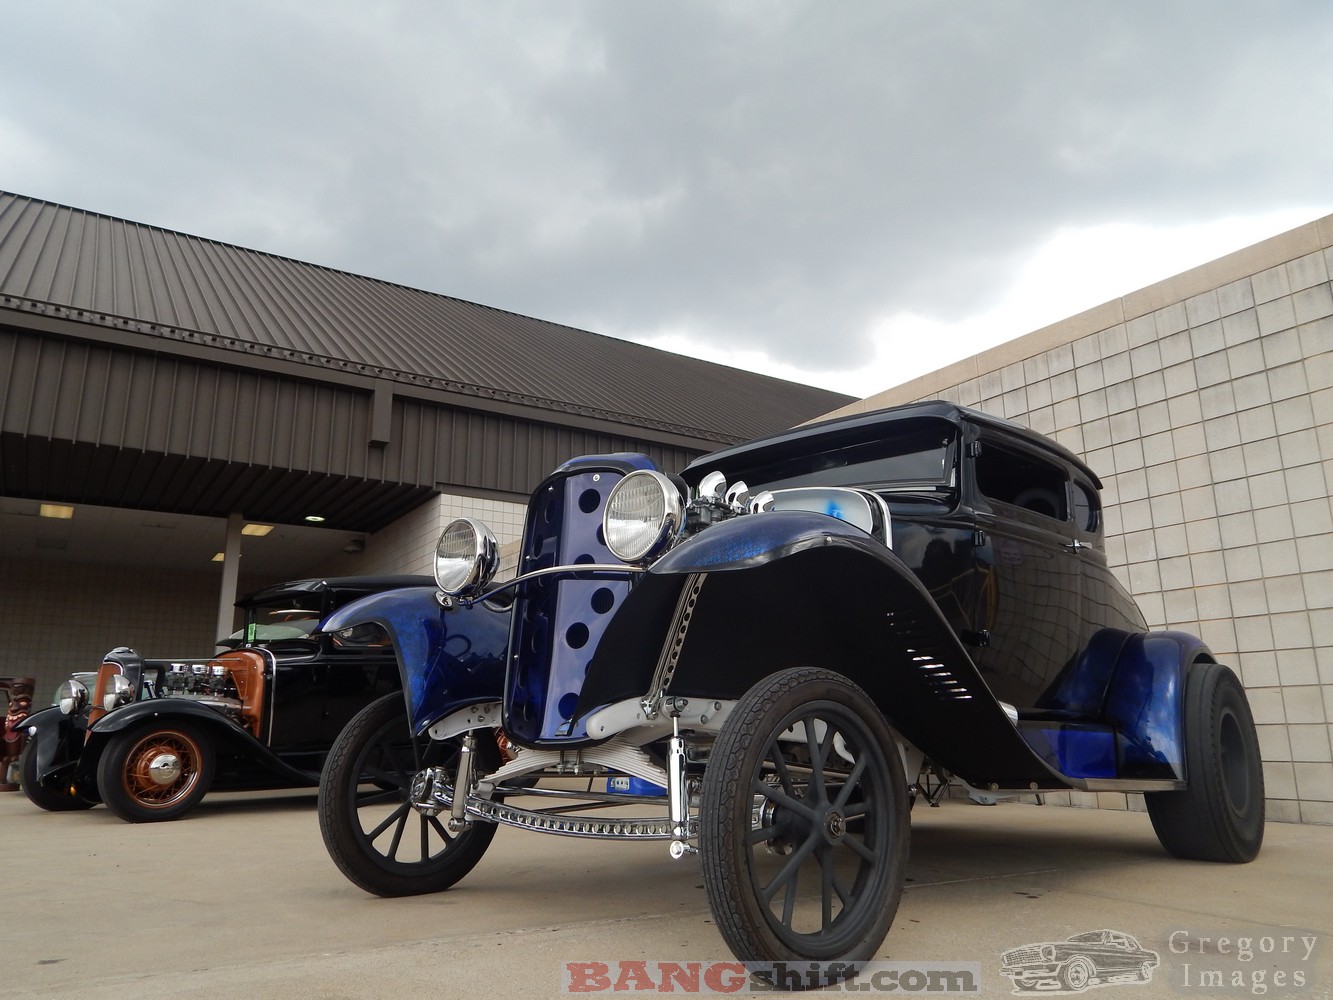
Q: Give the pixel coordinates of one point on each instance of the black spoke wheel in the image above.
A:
(40, 795)
(156, 772)
(803, 828)
(1219, 815)
(372, 832)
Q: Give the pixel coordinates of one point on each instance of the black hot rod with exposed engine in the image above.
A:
(149, 737)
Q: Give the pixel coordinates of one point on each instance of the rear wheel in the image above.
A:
(803, 822)
(1219, 815)
(39, 795)
(156, 772)
(372, 832)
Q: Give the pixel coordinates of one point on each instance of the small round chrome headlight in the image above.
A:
(119, 691)
(643, 517)
(72, 697)
(466, 557)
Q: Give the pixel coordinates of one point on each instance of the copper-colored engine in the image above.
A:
(232, 683)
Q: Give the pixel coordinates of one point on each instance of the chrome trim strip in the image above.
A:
(446, 600)
(675, 640)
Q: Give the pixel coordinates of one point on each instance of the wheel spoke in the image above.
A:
(844, 893)
(380, 795)
(399, 827)
(773, 752)
(788, 871)
(817, 754)
(825, 889)
(389, 821)
(796, 805)
(758, 834)
(789, 901)
(440, 828)
(849, 784)
(860, 849)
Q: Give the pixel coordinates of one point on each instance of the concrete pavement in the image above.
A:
(239, 899)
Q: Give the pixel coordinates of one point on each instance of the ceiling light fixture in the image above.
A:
(257, 530)
(314, 519)
(220, 557)
(57, 510)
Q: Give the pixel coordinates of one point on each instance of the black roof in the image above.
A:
(934, 408)
(335, 584)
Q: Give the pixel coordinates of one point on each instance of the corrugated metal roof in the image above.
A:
(176, 287)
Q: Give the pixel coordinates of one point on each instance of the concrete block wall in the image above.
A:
(1205, 403)
(408, 545)
(162, 613)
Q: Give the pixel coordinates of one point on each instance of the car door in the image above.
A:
(1033, 609)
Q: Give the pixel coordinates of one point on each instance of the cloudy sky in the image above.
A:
(845, 193)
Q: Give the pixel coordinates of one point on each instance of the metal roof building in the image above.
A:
(153, 369)
(148, 370)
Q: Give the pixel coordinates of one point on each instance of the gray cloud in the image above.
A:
(774, 175)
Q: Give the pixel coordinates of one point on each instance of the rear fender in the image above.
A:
(1146, 702)
(447, 657)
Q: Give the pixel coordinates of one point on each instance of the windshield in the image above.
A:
(291, 618)
(914, 456)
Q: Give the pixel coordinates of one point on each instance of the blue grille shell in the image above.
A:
(559, 619)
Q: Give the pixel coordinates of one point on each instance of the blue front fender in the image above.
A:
(447, 658)
(747, 542)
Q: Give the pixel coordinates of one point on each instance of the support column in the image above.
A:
(231, 568)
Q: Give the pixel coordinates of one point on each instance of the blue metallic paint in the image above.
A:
(1146, 701)
(448, 659)
(746, 542)
(559, 620)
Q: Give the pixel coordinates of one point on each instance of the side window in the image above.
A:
(1087, 508)
(1016, 478)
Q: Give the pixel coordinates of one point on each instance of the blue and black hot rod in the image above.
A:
(766, 659)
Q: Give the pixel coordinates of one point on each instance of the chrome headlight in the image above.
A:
(72, 697)
(119, 691)
(643, 517)
(466, 557)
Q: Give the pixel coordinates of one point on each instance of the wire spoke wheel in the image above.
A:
(803, 822)
(374, 834)
(157, 772)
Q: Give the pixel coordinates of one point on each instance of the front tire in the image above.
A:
(370, 829)
(1077, 973)
(155, 773)
(39, 795)
(1219, 815)
(804, 841)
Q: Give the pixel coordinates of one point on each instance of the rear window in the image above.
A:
(1022, 480)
